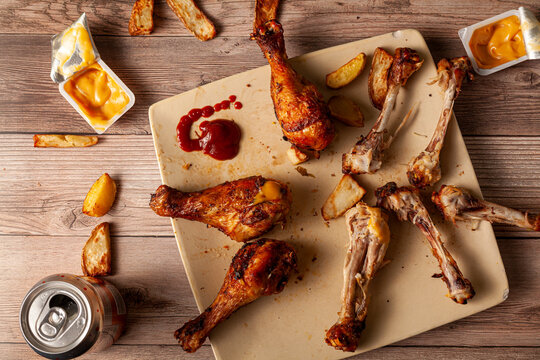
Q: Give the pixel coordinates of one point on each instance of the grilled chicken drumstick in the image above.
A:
(406, 203)
(457, 204)
(299, 106)
(243, 209)
(258, 269)
(369, 236)
(425, 169)
(367, 155)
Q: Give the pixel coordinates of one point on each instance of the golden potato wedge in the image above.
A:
(96, 255)
(345, 110)
(64, 141)
(345, 195)
(101, 196)
(378, 76)
(347, 73)
(193, 18)
(141, 21)
(296, 156)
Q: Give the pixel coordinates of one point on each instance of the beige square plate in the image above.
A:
(405, 299)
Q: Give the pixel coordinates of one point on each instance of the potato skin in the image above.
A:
(100, 198)
(346, 73)
(96, 255)
(378, 76)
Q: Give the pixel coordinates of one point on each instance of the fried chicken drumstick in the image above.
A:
(243, 209)
(367, 154)
(425, 169)
(299, 106)
(457, 204)
(259, 268)
(369, 237)
(406, 203)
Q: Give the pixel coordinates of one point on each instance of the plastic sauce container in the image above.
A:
(85, 81)
(501, 41)
(98, 95)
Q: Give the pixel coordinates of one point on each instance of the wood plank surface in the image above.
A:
(48, 200)
(138, 352)
(144, 62)
(159, 299)
(42, 228)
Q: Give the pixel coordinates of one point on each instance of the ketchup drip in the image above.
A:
(219, 138)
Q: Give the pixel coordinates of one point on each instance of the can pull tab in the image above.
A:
(52, 323)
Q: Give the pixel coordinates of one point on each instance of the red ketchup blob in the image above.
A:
(219, 138)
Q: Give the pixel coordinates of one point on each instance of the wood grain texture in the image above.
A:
(505, 103)
(158, 304)
(42, 228)
(43, 189)
(137, 352)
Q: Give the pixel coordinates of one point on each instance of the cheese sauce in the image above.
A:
(97, 94)
(498, 43)
(270, 191)
(76, 37)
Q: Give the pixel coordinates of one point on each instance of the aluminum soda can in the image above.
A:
(64, 316)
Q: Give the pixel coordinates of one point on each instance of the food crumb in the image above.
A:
(300, 277)
(248, 85)
(314, 190)
(186, 166)
(437, 276)
(301, 229)
(461, 173)
(415, 133)
(314, 258)
(226, 247)
(332, 174)
(303, 171)
(430, 95)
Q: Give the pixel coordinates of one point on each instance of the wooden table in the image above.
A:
(42, 227)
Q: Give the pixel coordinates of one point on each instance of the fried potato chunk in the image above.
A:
(141, 21)
(101, 196)
(64, 141)
(193, 18)
(96, 255)
(346, 194)
(378, 77)
(347, 73)
(296, 156)
(345, 110)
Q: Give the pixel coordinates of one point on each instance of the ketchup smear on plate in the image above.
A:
(219, 138)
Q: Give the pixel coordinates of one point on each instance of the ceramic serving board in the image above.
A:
(405, 298)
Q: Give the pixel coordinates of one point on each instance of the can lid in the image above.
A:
(55, 317)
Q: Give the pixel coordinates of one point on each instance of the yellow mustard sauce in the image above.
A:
(270, 191)
(78, 37)
(376, 224)
(498, 43)
(97, 94)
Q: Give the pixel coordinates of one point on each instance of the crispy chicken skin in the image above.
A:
(456, 203)
(425, 169)
(366, 156)
(259, 268)
(299, 106)
(369, 237)
(242, 209)
(406, 204)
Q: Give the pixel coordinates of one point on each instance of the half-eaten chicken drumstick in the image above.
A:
(406, 203)
(258, 269)
(298, 105)
(367, 154)
(425, 169)
(457, 204)
(243, 209)
(369, 236)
